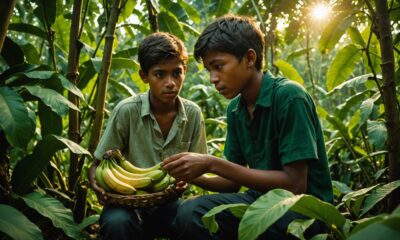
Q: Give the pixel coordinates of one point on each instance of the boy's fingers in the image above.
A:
(173, 158)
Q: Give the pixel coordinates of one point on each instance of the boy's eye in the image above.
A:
(218, 66)
(177, 73)
(158, 74)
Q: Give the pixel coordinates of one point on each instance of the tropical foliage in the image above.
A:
(64, 65)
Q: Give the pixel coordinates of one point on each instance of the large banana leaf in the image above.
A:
(32, 165)
(14, 118)
(267, 209)
(343, 65)
(16, 225)
(377, 134)
(28, 28)
(60, 216)
(334, 31)
(379, 194)
(57, 102)
(289, 71)
(169, 23)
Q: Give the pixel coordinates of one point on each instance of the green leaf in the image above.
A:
(89, 221)
(220, 7)
(342, 66)
(117, 63)
(14, 118)
(209, 221)
(25, 67)
(33, 164)
(322, 236)
(352, 83)
(298, 226)
(367, 106)
(265, 211)
(298, 53)
(176, 9)
(50, 122)
(356, 194)
(12, 52)
(377, 133)
(127, 10)
(340, 188)
(379, 194)
(28, 28)
(289, 71)
(122, 88)
(45, 11)
(343, 109)
(270, 207)
(60, 216)
(364, 222)
(31, 54)
(389, 228)
(334, 31)
(169, 23)
(356, 37)
(16, 225)
(57, 102)
(191, 11)
(70, 87)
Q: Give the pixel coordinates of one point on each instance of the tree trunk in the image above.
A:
(104, 74)
(392, 116)
(72, 75)
(152, 16)
(6, 11)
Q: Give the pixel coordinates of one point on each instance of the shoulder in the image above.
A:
(190, 107)
(128, 103)
(286, 91)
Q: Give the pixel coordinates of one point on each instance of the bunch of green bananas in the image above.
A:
(119, 175)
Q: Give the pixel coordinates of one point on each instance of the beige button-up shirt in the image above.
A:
(133, 129)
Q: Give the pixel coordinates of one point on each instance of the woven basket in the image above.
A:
(135, 201)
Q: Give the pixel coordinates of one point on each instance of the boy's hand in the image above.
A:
(186, 166)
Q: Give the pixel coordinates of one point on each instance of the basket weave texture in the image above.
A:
(136, 201)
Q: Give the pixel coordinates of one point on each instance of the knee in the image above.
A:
(189, 214)
(116, 222)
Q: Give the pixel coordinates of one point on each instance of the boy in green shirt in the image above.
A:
(274, 137)
(148, 128)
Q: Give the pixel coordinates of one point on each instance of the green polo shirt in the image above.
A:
(285, 128)
(134, 130)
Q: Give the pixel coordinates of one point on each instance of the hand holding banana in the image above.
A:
(119, 175)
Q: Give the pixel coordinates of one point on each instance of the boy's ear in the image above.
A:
(143, 75)
(251, 57)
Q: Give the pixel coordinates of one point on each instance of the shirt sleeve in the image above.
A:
(297, 131)
(232, 148)
(115, 135)
(199, 141)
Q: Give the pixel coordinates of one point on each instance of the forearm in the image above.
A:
(260, 180)
(216, 184)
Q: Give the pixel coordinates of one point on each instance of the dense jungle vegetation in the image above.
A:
(64, 65)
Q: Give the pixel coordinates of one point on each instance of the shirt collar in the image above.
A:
(145, 111)
(264, 94)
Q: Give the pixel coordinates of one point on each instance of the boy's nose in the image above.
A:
(213, 77)
(170, 82)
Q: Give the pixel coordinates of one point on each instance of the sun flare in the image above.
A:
(320, 11)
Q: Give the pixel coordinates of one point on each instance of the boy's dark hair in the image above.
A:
(234, 35)
(160, 46)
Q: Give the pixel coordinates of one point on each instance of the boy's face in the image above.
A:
(165, 80)
(229, 76)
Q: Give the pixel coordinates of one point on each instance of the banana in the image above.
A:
(136, 182)
(113, 182)
(163, 184)
(142, 192)
(157, 175)
(99, 177)
(128, 166)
